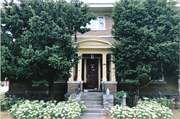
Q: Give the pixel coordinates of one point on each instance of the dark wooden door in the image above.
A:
(92, 73)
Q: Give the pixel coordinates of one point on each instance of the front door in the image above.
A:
(92, 73)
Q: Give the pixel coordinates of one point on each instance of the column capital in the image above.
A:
(104, 53)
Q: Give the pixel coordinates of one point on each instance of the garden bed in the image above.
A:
(26, 109)
(176, 114)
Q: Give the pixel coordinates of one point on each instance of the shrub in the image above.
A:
(178, 105)
(119, 95)
(8, 102)
(165, 102)
(143, 110)
(35, 109)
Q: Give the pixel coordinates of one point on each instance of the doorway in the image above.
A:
(92, 73)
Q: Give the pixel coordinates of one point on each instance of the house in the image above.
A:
(95, 69)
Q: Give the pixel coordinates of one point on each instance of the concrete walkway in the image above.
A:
(92, 116)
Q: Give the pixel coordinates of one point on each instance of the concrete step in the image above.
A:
(94, 106)
(91, 96)
(93, 110)
(91, 99)
(92, 93)
(93, 102)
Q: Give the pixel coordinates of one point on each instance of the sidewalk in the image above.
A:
(92, 116)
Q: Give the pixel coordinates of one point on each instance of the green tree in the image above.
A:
(148, 45)
(39, 48)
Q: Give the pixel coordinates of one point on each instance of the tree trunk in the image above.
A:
(51, 89)
(135, 95)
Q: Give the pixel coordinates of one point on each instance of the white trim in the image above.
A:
(94, 36)
(95, 40)
(75, 81)
(109, 82)
(101, 6)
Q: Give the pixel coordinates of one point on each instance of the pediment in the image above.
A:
(93, 42)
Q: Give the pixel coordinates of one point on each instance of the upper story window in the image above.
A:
(98, 24)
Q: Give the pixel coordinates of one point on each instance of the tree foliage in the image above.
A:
(36, 39)
(148, 35)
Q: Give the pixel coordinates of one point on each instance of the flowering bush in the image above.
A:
(8, 102)
(165, 102)
(35, 109)
(143, 110)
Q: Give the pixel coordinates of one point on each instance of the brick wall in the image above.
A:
(29, 87)
(170, 86)
(17, 90)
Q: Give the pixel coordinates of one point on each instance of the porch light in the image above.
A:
(92, 56)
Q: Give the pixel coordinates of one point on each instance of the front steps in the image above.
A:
(93, 102)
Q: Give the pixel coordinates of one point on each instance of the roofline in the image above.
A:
(108, 36)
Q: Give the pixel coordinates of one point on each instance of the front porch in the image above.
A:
(95, 68)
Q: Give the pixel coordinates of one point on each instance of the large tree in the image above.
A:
(148, 45)
(36, 43)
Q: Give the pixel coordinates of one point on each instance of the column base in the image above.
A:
(112, 85)
(73, 85)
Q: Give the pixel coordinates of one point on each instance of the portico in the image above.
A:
(95, 66)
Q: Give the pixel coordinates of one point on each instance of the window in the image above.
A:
(98, 24)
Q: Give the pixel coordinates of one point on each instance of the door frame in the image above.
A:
(99, 69)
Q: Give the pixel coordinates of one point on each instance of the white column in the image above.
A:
(104, 67)
(99, 73)
(79, 69)
(113, 77)
(72, 74)
(85, 70)
(109, 69)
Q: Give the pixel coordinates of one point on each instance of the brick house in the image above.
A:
(95, 68)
